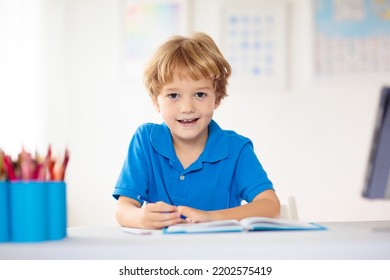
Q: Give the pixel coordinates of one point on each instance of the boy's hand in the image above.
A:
(159, 215)
(194, 215)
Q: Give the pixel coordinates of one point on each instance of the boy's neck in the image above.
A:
(188, 151)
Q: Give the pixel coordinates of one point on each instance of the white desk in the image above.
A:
(346, 240)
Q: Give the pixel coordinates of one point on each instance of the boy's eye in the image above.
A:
(200, 94)
(173, 96)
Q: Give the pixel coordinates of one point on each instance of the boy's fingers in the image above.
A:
(186, 211)
(165, 216)
(161, 206)
(162, 212)
(162, 224)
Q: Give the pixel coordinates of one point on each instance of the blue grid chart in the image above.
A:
(254, 44)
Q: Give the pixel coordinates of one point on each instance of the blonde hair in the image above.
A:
(195, 57)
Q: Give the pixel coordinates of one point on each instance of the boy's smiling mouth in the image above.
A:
(188, 121)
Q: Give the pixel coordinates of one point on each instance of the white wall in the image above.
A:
(313, 138)
(22, 76)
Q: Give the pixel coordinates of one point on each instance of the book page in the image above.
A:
(264, 223)
(213, 226)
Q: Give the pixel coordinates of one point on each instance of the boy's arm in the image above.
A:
(265, 204)
(152, 216)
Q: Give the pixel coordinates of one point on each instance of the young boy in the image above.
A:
(188, 169)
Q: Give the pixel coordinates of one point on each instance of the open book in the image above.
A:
(247, 224)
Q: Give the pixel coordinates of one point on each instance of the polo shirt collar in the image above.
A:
(161, 140)
(217, 145)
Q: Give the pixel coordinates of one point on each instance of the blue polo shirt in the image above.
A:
(226, 173)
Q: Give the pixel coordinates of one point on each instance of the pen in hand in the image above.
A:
(146, 201)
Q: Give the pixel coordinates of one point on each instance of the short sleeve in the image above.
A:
(250, 176)
(133, 178)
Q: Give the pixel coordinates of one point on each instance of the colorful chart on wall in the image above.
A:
(351, 37)
(147, 24)
(254, 42)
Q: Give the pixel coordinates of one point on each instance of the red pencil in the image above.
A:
(9, 168)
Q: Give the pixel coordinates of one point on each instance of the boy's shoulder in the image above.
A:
(149, 127)
(152, 130)
(146, 127)
(236, 137)
(232, 136)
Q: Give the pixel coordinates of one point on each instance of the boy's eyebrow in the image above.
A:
(198, 88)
(171, 89)
(203, 88)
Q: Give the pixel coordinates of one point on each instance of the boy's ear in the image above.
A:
(217, 103)
(155, 103)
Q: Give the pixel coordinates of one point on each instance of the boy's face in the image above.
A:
(187, 107)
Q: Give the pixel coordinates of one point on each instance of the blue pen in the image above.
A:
(145, 201)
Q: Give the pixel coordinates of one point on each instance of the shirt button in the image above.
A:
(182, 177)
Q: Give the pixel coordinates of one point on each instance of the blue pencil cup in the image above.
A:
(28, 210)
(4, 212)
(37, 211)
(56, 210)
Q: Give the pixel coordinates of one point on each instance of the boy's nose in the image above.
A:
(187, 106)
